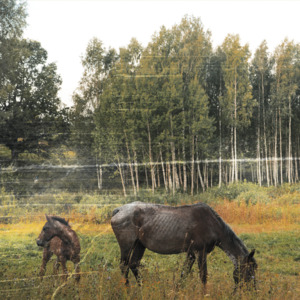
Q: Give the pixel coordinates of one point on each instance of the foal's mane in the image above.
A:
(61, 220)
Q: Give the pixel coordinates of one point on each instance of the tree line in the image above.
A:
(177, 114)
(178, 104)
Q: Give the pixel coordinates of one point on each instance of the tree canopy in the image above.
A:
(30, 115)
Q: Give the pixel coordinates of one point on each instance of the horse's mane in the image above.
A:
(61, 220)
(230, 233)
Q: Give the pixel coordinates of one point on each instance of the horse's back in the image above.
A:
(131, 212)
(164, 229)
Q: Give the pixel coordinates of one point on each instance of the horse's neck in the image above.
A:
(234, 248)
(68, 235)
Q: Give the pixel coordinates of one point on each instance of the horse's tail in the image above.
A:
(115, 211)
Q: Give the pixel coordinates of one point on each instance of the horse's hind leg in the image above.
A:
(124, 264)
(135, 258)
(63, 262)
(190, 259)
(56, 265)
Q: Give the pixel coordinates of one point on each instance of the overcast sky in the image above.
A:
(64, 27)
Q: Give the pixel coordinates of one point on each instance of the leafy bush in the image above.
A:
(253, 197)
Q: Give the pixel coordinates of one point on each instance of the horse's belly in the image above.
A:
(166, 234)
(165, 246)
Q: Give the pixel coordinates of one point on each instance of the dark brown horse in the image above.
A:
(58, 238)
(194, 229)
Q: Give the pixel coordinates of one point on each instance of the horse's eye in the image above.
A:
(45, 228)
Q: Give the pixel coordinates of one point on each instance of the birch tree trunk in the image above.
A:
(122, 177)
(265, 135)
(258, 142)
(174, 169)
(184, 168)
(200, 177)
(99, 175)
(296, 167)
(183, 152)
(146, 173)
(280, 147)
(232, 155)
(163, 170)
(275, 165)
(193, 164)
(136, 170)
(220, 146)
(290, 143)
(198, 167)
(235, 125)
(169, 176)
(150, 159)
(130, 167)
(173, 152)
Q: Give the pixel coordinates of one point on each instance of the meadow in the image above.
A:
(266, 219)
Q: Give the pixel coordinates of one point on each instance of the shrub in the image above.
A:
(253, 197)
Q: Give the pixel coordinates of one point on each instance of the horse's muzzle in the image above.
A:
(40, 243)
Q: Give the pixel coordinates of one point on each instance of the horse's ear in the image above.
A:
(49, 219)
(251, 254)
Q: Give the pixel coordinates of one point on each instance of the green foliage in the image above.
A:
(251, 193)
(12, 19)
(101, 277)
(98, 208)
(30, 117)
(147, 114)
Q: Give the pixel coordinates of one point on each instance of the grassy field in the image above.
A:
(271, 228)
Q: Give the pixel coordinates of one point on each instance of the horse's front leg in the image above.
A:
(63, 262)
(202, 264)
(46, 257)
(76, 262)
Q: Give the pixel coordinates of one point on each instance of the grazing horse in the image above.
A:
(58, 238)
(194, 229)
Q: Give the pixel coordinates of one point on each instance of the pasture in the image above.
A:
(271, 228)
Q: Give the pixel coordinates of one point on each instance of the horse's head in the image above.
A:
(51, 228)
(246, 270)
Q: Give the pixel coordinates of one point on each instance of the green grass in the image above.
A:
(278, 256)
(277, 250)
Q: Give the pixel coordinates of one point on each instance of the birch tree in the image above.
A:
(284, 92)
(261, 80)
(238, 91)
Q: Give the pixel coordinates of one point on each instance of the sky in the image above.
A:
(65, 27)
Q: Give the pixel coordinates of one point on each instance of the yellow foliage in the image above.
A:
(271, 215)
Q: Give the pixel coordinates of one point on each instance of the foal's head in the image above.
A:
(53, 227)
(246, 270)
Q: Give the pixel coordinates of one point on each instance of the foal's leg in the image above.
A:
(135, 258)
(76, 262)
(63, 262)
(56, 266)
(46, 256)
